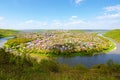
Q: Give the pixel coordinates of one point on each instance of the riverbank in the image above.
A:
(89, 61)
(61, 43)
(112, 42)
(114, 34)
(23, 68)
(7, 33)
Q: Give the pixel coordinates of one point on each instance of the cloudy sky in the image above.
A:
(60, 14)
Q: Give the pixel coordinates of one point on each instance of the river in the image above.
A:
(3, 41)
(89, 61)
(85, 60)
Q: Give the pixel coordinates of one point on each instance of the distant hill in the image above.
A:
(114, 34)
(7, 32)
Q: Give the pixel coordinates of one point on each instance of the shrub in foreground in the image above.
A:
(51, 70)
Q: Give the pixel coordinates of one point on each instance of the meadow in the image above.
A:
(114, 34)
(7, 32)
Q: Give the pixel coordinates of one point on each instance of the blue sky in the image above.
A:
(60, 14)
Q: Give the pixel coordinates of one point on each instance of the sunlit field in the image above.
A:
(114, 34)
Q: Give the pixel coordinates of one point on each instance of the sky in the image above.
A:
(60, 14)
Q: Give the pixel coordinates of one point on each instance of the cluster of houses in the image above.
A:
(66, 41)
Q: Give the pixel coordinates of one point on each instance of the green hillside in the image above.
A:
(6, 32)
(114, 34)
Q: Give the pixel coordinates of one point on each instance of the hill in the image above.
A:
(7, 32)
(114, 34)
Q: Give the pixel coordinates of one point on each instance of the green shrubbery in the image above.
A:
(16, 68)
(16, 41)
(7, 33)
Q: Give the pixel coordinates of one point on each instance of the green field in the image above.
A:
(7, 33)
(114, 34)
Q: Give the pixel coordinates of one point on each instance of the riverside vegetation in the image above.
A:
(24, 68)
(62, 43)
(7, 32)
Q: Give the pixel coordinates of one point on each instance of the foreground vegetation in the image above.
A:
(7, 33)
(24, 68)
(60, 43)
(114, 34)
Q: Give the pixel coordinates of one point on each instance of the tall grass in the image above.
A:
(16, 68)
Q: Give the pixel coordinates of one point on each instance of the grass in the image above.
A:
(17, 68)
(113, 45)
(114, 34)
(16, 41)
(7, 32)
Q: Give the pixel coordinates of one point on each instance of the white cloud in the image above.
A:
(78, 1)
(29, 21)
(56, 23)
(111, 12)
(75, 23)
(1, 18)
(33, 24)
(109, 16)
(113, 8)
(73, 17)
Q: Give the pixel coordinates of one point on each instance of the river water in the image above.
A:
(92, 60)
(3, 41)
(85, 60)
(89, 61)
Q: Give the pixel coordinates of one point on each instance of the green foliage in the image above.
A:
(49, 65)
(16, 41)
(7, 33)
(28, 69)
(114, 34)
(2, 77)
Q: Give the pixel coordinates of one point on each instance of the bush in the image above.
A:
(80, 68)
(50, 65)
(51, 70)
